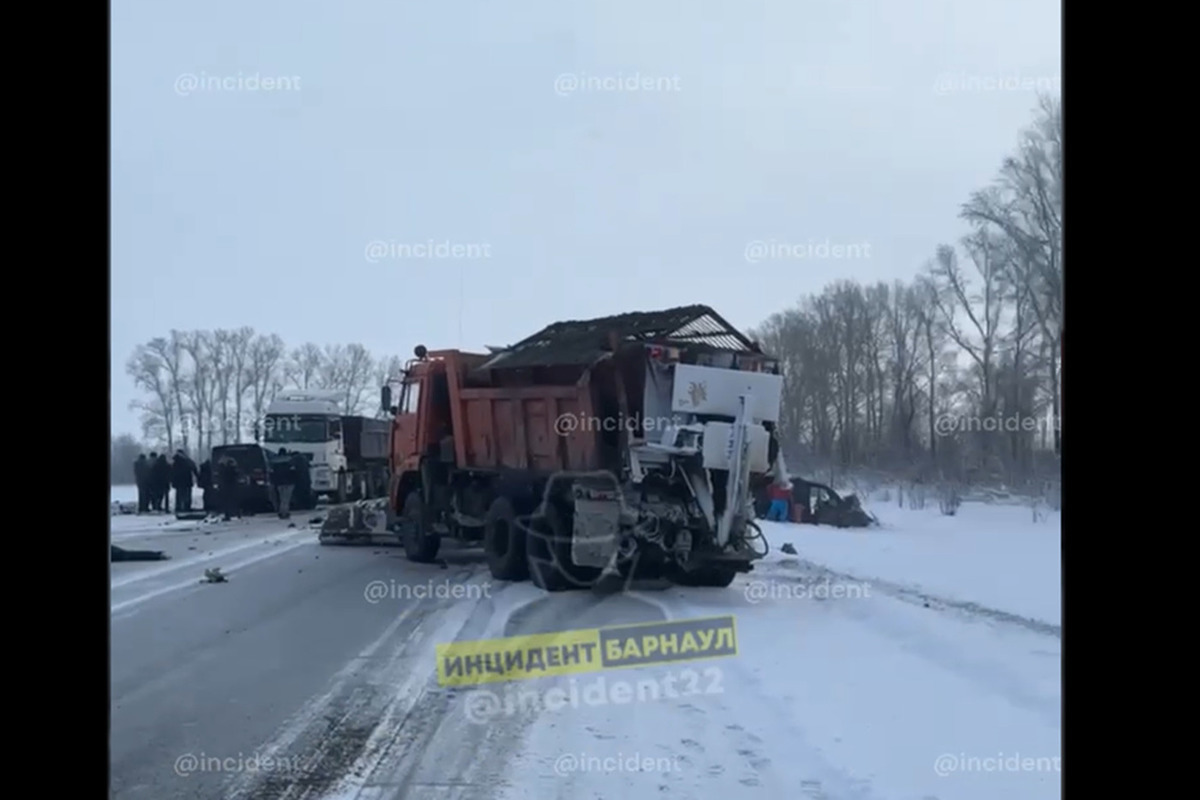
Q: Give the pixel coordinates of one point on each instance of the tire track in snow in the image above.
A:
(351, 733)
(912, 595)
(913, 639)
(725, 724)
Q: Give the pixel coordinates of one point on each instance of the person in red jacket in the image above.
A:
(781, 502)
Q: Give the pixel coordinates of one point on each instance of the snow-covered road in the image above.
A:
(917, 661)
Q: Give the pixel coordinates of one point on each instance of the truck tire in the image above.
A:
(543, 567)
(340, 491)
(504, 542)
(548, 549)
(716, 576)
(420, 543)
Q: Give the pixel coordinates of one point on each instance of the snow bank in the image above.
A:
(993, 555)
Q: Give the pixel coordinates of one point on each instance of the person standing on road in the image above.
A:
(160, 480)
(182, 473)
(227, 475)
(303, 494)
(141, 476)
(283, 478)
(206, 485)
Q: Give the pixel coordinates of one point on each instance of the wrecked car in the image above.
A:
(818, 504)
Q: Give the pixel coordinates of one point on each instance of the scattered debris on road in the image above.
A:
(213, 575)
(787, 548)
(121, 554)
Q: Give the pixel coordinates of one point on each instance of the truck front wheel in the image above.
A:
(504, 542)
(341, 486)
(420, 543)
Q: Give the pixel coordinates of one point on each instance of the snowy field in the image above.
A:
(992, 555)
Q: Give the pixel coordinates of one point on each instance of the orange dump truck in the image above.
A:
(610, 448)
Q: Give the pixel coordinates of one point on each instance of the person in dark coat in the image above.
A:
(183, 471)
(206, 484)
(141, 476)
(283, 481)
(303, 494)
(160, 482)
(227, 488)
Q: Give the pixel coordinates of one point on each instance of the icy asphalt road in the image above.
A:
(282, 681)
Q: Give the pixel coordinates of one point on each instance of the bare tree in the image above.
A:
(238, 346)
(196, 383)
(264, 364)
(150, 374)
(223, 371)
(1026, 205)
(980, 303)
(305, 367)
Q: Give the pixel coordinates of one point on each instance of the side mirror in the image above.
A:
(385, 397)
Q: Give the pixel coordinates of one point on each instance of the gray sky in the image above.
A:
(695, 142)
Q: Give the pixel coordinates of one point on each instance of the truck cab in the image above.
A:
(423, 423)
(347, 454)
(308, 423)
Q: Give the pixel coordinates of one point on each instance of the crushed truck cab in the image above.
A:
(612, 448)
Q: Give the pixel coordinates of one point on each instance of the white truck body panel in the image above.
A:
(711, 390)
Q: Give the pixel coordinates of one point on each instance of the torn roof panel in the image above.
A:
(581, 342)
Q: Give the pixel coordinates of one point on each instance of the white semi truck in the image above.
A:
(347, 455)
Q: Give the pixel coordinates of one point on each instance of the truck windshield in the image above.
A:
(285, 428)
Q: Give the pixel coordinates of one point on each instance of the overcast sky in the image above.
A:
(580, 157)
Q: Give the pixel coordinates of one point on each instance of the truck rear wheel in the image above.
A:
(420, 543)
(543, 567)
(341, 486)
(504, 542)
(549, 554)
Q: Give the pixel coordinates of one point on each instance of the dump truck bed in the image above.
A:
(523, 428)
(551, 401)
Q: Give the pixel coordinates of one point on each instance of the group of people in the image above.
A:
(156, 476)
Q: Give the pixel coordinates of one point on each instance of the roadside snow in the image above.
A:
(993, 555)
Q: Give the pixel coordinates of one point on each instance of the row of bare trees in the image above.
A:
(204, 388)
(958, 372)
